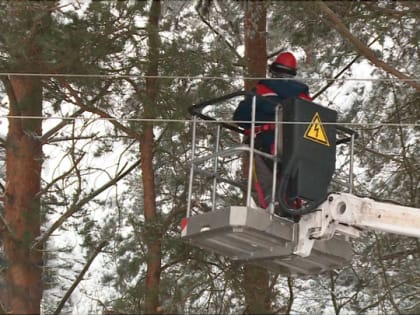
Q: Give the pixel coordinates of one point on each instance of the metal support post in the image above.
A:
(194, 127)
(351, 163)
(215, 167)
(251, 152)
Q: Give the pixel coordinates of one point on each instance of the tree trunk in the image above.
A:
(153, 229)
(255, 40)
(257, 289)
(22, 278)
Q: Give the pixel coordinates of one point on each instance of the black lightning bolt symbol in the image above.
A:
(316, 128)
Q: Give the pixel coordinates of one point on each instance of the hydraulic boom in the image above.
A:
(349, 215)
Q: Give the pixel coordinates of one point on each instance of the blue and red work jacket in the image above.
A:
(274, 92)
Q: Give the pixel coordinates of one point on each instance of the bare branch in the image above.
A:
(64, 175)
(79, 277)
(76, 206)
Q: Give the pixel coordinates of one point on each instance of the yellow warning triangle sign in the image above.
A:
(316, 131)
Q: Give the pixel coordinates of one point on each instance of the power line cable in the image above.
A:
(167, 120)
(189, 77)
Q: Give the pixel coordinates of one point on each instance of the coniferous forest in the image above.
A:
(95, 139)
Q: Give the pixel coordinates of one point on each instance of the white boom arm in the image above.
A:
(350, 215)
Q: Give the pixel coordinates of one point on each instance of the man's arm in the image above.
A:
(243, 112)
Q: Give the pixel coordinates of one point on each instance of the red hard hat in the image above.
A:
(284, 63)
(286, 59)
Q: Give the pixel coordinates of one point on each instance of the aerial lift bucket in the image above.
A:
(252, 234)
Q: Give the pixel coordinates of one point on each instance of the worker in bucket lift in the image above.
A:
(274, 92)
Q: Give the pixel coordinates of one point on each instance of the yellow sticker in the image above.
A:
(316, 131)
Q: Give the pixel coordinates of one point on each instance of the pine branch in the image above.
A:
(291, 295)
(364, 50)
(392, 12)
(2, 308)
(76, 206)
(228, 44)
(332, 293)
(341, 72)
(10, 93)
(79, 277)
(383, 155)
(9, 229)
(400, 254)
(99, 112)
(45, 137)
(387, 285)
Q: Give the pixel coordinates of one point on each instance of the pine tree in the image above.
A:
(46, 39)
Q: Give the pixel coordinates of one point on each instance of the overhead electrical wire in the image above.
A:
(168, 120)
(172, 77)
(190, 77)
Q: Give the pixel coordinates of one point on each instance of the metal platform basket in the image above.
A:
(248, 233)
